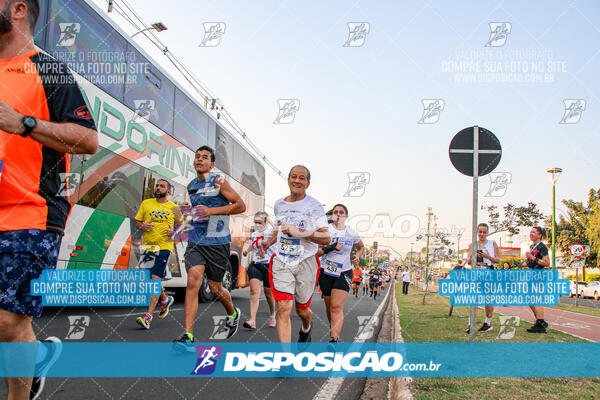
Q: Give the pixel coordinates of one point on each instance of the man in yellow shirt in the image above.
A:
(158, 218)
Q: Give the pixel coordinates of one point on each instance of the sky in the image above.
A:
(360, 105)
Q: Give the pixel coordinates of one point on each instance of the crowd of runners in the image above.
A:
(293, 251)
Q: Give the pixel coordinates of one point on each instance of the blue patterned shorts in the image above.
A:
(23, 256)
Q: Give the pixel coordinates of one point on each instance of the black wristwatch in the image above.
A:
(29, 123)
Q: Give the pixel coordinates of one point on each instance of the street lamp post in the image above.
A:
(554, 174)
(429, 214)
(458, 235)
(158, 26)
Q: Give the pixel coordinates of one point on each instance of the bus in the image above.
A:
(149, 127)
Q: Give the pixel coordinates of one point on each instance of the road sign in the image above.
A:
(475, 151)
(577, 250)
(462, 151)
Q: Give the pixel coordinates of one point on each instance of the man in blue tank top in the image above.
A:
(213, 201)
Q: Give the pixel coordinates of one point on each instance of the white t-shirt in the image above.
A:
(307, 214)
(365, 275)
(406, 276)
(257, 238)
(338, 261)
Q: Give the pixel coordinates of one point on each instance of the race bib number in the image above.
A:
(332, 268)
(290, 247)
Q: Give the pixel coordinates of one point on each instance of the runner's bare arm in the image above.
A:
(544, 262)
(320, 236)
(237, 205)
(65, 137)
(497, 253)
(360, 249)
(469, 254)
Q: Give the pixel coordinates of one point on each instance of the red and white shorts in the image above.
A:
(294, 282)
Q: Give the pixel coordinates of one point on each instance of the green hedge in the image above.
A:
(511, 261)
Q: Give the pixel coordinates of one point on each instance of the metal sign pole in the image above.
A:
(577, 283)
(474, 245)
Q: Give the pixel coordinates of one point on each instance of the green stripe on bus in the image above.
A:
(95, 238)
(163, 171)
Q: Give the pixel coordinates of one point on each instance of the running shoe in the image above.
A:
(251, 325)
(485, 328)
(53, 349)
(272, 322)
(233, 322)
(164, 307)
(537, 328)
(185, 343)
(144, 321)
(304, 337)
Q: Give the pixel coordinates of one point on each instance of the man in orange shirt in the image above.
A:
(43, 118)
(356, 278)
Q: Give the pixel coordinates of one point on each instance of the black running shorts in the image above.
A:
(214, 258)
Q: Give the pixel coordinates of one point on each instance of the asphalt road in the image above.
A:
(112, 324)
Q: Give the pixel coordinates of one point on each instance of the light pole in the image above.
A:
(411, 251)
(158, 26)
(554, 174)
(429, 214)
(458, 236)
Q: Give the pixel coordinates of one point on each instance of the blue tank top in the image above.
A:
(213, 230)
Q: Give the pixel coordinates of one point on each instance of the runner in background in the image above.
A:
(488, 254)
(336, 268)
(294, 268)
(356, 278)
(43, 119)
(537, 258)
(365, 280)
(258, 270)
(374, 277)
(405, 280)
(159, 218)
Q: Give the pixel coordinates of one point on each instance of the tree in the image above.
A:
(514, 218)
(581, 225)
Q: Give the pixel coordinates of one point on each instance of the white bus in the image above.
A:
(149, 127)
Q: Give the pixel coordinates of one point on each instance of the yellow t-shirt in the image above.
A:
(162, 217)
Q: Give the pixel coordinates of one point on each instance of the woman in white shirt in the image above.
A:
(488, 254)
(336, 268)
(258, 270)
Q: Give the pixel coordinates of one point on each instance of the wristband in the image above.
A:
(328, 249)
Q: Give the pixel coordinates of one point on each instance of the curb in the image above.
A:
(399, 387)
